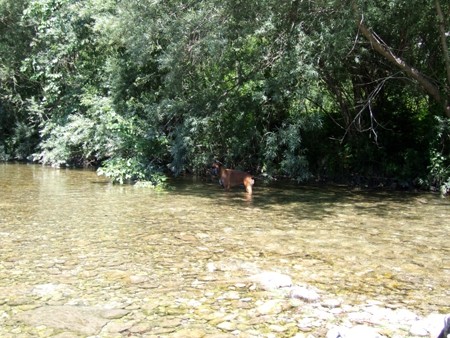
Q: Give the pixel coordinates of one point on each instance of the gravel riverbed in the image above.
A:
(265, 304)
(82, 258)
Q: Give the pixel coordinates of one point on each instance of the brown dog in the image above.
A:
(229, 178)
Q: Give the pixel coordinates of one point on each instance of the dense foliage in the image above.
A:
(304, 89)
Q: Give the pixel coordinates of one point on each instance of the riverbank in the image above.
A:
(350, 181)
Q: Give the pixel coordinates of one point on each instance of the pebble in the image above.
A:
(137, 279)
(277, 328)
(358, 331)
(332, 303)
(227, 326)
(44, 289)
(189, 333)
(304, 293)
(273, 306)
(141, 327)
(114, 313)
(231, 295)
(170, 322)
(117, 327)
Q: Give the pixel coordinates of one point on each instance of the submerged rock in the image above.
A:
(270, 280)
(80, 319)
(354, 332)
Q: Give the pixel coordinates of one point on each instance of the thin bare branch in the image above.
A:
(367, 106)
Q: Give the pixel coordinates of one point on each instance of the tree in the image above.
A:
(437, 88)
(284, 87)
(18, 135)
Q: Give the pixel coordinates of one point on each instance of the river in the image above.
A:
(69, 237)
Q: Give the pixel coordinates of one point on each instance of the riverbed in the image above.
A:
(180, 262)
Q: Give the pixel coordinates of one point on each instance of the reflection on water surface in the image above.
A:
(73, 227)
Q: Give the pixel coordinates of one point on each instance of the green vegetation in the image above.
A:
(304, 89)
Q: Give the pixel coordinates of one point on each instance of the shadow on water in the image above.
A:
(305, 201)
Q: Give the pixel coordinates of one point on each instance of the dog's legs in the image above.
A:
(248, 183)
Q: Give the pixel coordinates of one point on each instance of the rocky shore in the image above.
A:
(266, 304)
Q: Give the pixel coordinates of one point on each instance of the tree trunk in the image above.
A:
(441, 23)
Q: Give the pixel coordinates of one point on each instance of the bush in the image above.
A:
(132, 170)
(439, 168)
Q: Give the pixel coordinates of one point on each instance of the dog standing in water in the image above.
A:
(230, 178)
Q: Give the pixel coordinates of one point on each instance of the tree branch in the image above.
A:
(384, 50)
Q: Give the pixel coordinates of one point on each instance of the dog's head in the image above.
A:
(215, 168)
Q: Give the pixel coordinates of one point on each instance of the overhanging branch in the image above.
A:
(384, 50)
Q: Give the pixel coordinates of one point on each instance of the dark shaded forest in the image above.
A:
(345, 91)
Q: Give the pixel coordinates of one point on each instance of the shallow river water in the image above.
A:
(180, 262)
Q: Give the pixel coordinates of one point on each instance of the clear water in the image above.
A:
(74, 228)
